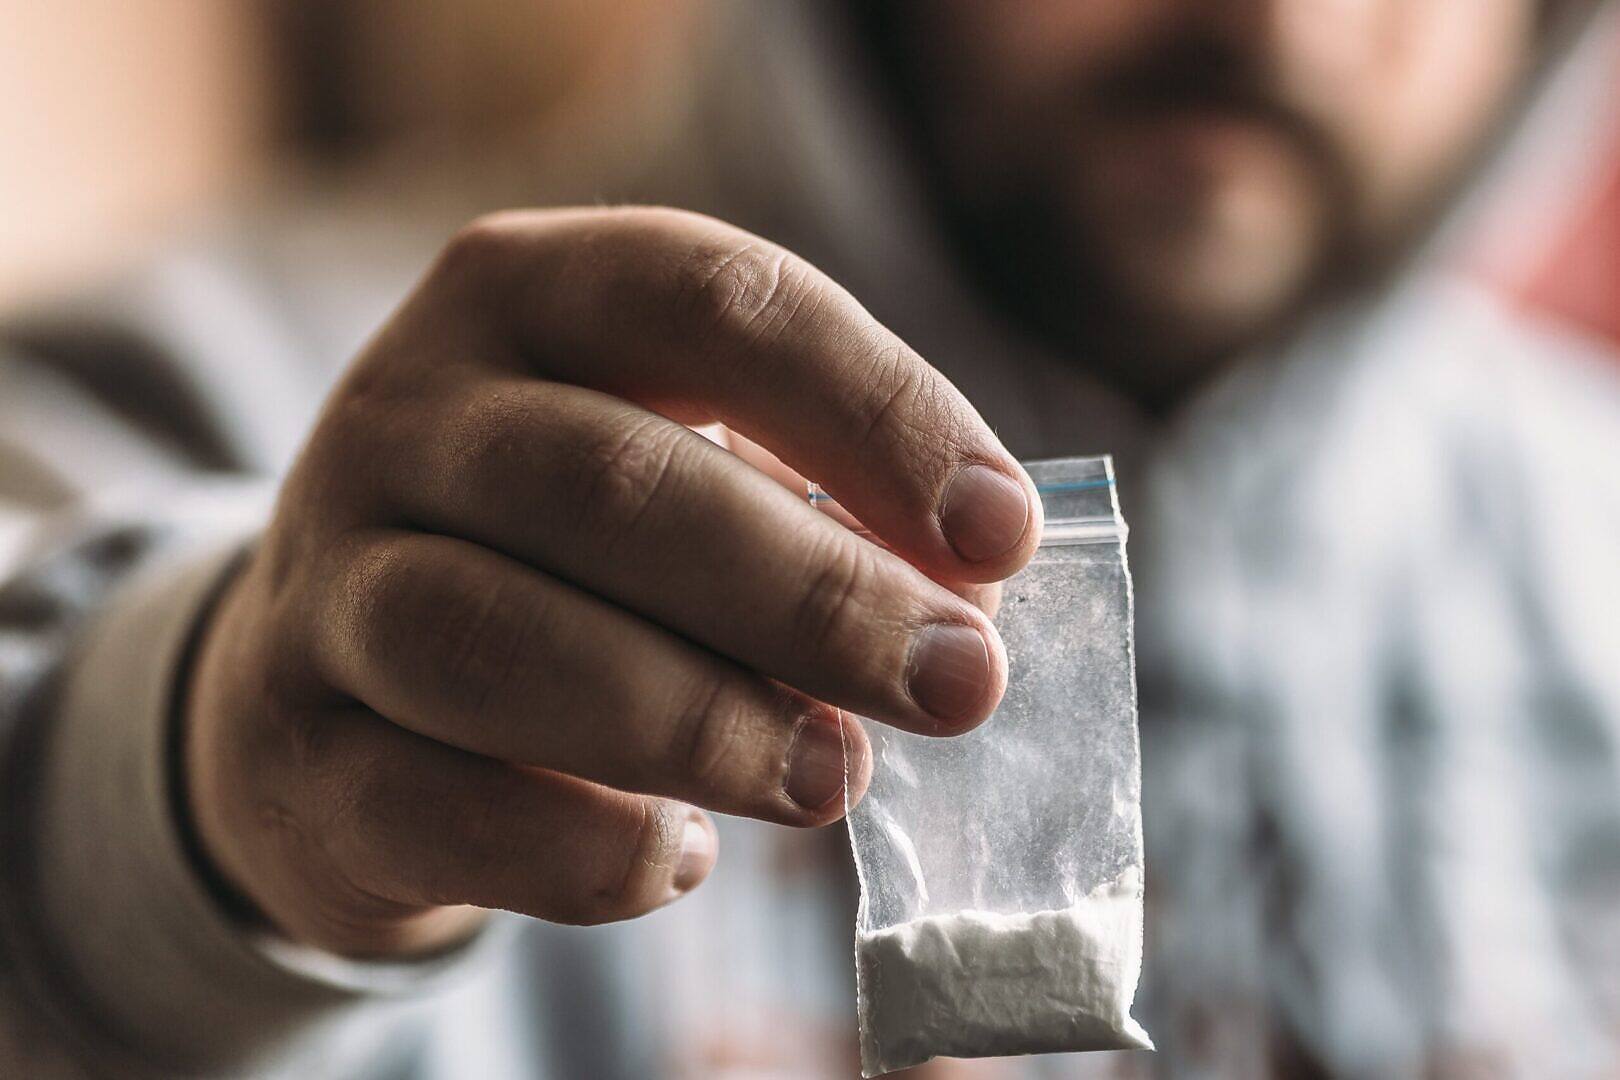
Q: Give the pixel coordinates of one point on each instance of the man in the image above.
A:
(511, 631)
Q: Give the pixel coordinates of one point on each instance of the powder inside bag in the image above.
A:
(982, 984)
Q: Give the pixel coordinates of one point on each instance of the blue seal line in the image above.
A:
(1072, 485)
(817, 495)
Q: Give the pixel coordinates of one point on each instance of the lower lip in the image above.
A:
(1211, 135)
(1181, 154)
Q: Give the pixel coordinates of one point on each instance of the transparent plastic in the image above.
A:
(1001, 870)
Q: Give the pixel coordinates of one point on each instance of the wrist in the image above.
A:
(231, 898)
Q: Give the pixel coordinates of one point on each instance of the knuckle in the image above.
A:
(388, 611)
(371, 598)
(642, 879)
(483, 847)
(401, 838)
(907, 411)
(478, 246)
(831, 605)
(339, 900)
(484, 631)
(900, 404)
(309, 737)
(349, 419)
(707, 735)
(366, 803)
(480, 441)
(356, 430)
(620, 476)
(744, 293)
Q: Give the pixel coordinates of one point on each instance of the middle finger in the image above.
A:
(643, 512)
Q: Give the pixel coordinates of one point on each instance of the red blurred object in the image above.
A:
(1580, 278)
(1559, 251)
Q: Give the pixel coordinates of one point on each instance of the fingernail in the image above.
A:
(949, 672)
(984, 513)
(698, 851)
(815, 773)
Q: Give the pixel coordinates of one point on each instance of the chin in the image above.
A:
(1231, 298)
(1197, 324)
(1216, 230)
(1211, 283)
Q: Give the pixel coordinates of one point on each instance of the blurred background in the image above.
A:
(122, 121)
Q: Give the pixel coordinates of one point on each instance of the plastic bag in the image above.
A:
(1001, 870)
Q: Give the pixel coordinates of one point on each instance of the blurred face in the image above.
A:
(1166, 181)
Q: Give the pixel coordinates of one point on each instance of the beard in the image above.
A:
(1154, 218)
(1156, 254)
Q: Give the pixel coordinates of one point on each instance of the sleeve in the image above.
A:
(114, 955)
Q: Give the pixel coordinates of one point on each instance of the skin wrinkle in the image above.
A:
(805, 311)
(606, 474)
(765, 329)
(824, 604)
(594, 520)
(638, 468)
(675, 430)
(390, 614)
(658, 838)
(490, 426)
(364, 566)
(285, 825)
(704, 739)
(792, 298)
(934, 441)
(740, 296)
(487, 438)
(493, 429)
(350, 793)
(499, 665)
(695, 279)
(899, 389)
(666, 395)
(491, 849)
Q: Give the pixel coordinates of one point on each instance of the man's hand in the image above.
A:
(512, 621)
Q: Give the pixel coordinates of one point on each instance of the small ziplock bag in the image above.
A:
(1001, 870)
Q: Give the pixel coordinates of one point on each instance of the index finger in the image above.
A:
(702, 321)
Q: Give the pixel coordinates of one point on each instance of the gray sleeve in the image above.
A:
(114, 956)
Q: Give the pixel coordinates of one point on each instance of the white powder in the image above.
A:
(980, 984)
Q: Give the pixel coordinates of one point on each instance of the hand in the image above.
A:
(513, 622)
